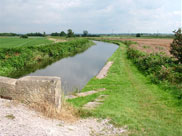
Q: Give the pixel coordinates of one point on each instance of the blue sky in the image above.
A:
(96, 16)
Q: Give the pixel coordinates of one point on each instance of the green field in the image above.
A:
(10, 42)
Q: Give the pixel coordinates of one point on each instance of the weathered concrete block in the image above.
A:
(47, 88)
(7, 87)
(32, 87)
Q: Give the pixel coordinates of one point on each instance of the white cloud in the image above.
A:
(102, 16)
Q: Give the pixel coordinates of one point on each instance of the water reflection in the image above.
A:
(76, 71)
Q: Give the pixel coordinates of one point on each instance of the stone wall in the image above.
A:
(32, 87)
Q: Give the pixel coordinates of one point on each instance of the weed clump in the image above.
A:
(39, 103)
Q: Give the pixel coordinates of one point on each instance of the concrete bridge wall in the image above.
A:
(29, 87)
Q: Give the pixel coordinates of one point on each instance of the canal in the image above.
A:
(77, 70)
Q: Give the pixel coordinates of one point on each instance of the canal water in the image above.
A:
(77, 70)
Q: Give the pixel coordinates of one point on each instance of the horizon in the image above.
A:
(96, 33)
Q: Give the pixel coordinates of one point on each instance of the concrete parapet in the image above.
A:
(7, 87)
(26, 88)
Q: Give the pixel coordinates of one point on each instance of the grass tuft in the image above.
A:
(67, 112)
(10, 116)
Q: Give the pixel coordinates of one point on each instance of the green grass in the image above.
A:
(10, 42)
(133, 101)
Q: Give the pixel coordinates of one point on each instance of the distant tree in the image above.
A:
(138, 35)
(176, 45)
(8, 34)
(85, 33)
(44, 34)
(24, 36)
(62, 34)
(70, 33)
(78, 35)
(35, 34)
(55, 34)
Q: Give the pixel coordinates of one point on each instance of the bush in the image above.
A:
(159, 68)
(70, 33)
(176, 46)
(62, 34)
(138, 35)
(23, 36)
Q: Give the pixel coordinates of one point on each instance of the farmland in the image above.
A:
(152, 45)
(10, 42)
(148, 45)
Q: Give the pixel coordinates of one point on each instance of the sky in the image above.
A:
(96, 16)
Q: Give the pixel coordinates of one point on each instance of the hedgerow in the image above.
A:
(161, 69)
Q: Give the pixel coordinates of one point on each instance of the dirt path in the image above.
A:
(16, 119)
(56, 40)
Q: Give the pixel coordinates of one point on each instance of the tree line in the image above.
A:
(70, 33)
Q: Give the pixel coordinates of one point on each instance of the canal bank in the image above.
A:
(18, 61)
(132, 101)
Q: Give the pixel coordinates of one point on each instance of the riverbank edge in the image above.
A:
(17, 62)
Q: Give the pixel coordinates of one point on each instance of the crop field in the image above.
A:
(10, 42)
(152, 45)
(149, 45)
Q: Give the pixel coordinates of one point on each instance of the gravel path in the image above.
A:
(18, 120)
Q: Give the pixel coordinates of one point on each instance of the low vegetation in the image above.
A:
(23, 36)
(10, 116)
(162, 69)
(38, 102)
(176, 45)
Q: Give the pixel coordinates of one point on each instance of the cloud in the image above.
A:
(103, 16)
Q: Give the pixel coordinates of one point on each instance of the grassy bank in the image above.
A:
(160, 67)
(133, 101)
(17, 61)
